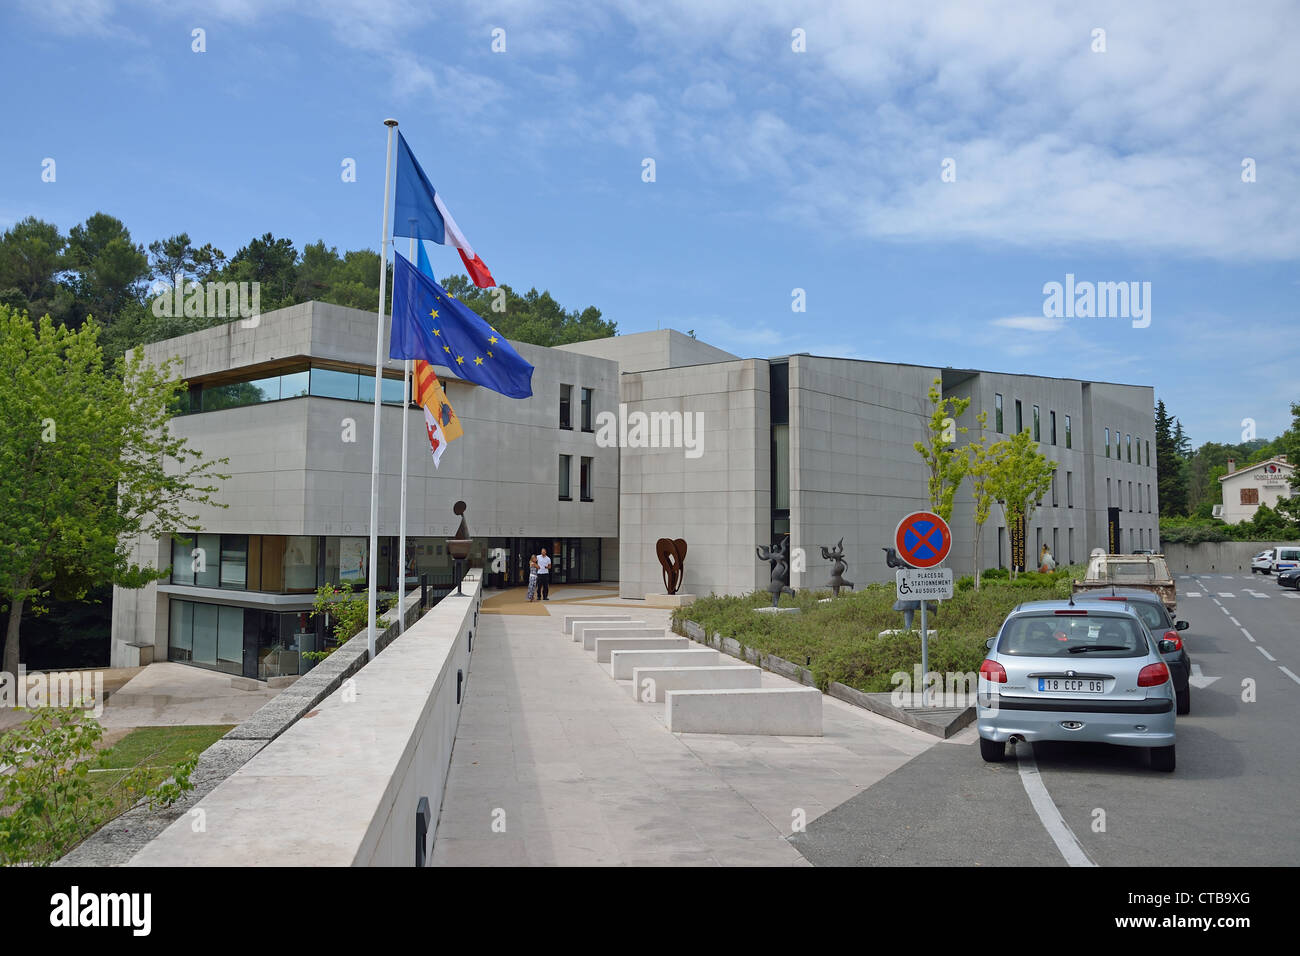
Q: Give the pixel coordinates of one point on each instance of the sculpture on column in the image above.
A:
(837, 581)
(672, 558)
(778, 556)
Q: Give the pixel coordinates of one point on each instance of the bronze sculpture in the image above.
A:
(836, 554)
(778, 556)
(672, 558)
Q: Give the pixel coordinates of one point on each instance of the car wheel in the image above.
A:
(992, 751)
(1162, 758)
(1184, 701)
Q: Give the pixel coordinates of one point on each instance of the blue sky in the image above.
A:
(774, 169)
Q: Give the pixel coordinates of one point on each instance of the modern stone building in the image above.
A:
(625, 440)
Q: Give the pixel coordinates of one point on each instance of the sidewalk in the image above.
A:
(579, 773)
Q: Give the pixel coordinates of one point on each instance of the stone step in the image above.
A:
(569, 619)
(772, 711)
(580, 627)
(607, 645)
(652, 683)
(622, 662)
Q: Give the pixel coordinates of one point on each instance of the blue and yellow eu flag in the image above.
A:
(429, 324)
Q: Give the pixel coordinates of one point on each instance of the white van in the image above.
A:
(1285, 558)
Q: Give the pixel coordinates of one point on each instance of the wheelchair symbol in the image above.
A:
(904, 587)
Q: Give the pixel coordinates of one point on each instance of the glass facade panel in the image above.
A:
(234, 561)
(294, 384)
(997, 413)
(230, 639)
(390, 392)
(182, 561)
(217, 397)
(565, 462)
(566, 392)
(329, 383)
(586, 409)
(206, 625)
(180, 637)
(585, 479)
(781, 466)
(207, 564)
(299, 564)
(1067, 432)
(351, 560)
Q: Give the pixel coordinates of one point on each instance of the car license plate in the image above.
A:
(1070, 684)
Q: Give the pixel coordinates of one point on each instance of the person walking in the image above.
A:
(532, 577)
(544, 575)
(1046, 563)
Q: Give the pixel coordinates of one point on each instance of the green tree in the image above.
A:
(985, 460)
(87, 463)
(31, 258)
(946, 461)
(1020, 478)
(109, 269)
(1171, 482)
(534, 317)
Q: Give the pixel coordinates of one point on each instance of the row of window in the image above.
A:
(1132, 496)
(1145, 539)
(1128, 447)
(297, 383)
(1020, 423)
(585, 482)
(566, 405)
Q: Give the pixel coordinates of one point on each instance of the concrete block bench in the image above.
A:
(660, 680)
(588, 634)
(569, 619)
(774, 711)
(607, 645)
(622, 662)
(581, 627)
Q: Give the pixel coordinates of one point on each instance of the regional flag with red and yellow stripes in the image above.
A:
(428, 392)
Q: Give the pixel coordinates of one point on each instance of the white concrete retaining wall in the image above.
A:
(1225, 557)
(604, 646)
(340, 787)
(580, 628)
(637, 629)
(780, 711)
(652, 683)
(570, 619)
(621, 663)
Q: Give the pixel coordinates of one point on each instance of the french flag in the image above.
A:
(420, 211)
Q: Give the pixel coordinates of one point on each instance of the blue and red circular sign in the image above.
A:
(923, 539)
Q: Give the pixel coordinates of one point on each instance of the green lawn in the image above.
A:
(158, 748)
(839, 640)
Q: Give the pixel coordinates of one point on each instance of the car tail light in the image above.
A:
(995, 672)
(1074, 613)
(1112, 597)
(1153, 675)
(1173, 637)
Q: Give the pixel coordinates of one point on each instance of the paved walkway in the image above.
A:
(170, 694)
(580, 773)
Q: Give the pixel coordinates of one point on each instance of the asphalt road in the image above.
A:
(1232, 801)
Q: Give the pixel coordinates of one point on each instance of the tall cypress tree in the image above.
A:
(1170, 463)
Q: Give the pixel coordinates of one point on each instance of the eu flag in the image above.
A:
(429, 324)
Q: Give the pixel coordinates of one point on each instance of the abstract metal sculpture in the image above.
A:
(778, 556)
(459, 544)
(672, 558)
(836, 554)
(907, 607)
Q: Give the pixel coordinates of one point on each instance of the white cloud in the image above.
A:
(1031, 323)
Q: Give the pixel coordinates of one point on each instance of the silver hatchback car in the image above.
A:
(1076, 672)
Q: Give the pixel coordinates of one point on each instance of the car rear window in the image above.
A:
(1153, 615)
(1061, 635)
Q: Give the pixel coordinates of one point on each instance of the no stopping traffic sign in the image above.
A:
(923, 539)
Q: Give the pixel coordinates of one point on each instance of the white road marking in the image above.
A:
(1290, 595)
(1254, 593)
(1224, 610)
(1288, 673)
(1198, 679)
(1226, 594)
(1050, 817)
(1248, 635)
(1192, 594)
(1234, 620)
(1265, 653)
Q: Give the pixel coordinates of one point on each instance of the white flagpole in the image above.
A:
(372, 633)
(401, 544)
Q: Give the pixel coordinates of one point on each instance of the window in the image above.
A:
(565, 462)
(1128, 442)
(1139, 450)
(1069, 537)
(1107, 442)
(1056, 541)
(1250, 496)
(586, 410)
(1130, 496)
(1107, 492)
(182, 562)
(1067, 432)
(1148, 454)
(997, 413)
(584, 480)
(1069, 489)
(234, 561)
(1037, 433)
(1148, 497)
(566, 395)
(1053, 493)
(1020, 421)
(207, 563)
(1053, 419)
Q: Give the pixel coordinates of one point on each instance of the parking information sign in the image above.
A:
(922, 584)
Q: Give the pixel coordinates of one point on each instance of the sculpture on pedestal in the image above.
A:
(837, 581)
(672, 558)
(778, 556)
